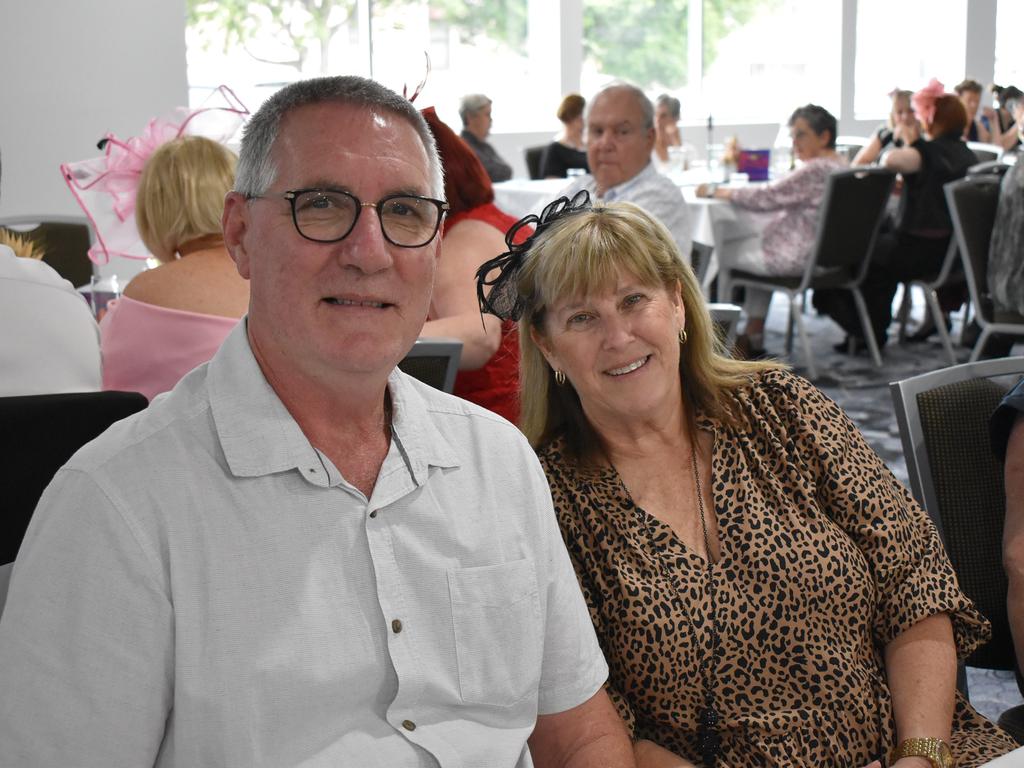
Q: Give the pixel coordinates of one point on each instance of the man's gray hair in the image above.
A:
(646, 107)
(471, 104)
(256, 171)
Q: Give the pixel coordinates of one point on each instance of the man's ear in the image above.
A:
(235, 224)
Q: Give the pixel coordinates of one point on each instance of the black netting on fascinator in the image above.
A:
(504, 300)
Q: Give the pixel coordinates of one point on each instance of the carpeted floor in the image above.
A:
(863, 392)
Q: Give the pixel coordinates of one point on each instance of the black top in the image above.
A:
(922, 209)
(885, 136)
(558, 159)
(1004, 417)
(493, 163)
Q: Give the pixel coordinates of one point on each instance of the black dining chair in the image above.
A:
(434, 361)
(943, 418)
(972, 206)
(533, 156)
(38, 434)
(850, 215)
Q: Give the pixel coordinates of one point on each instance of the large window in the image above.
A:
(473, 47)
(905, 44)
(764, 59)
(739, 61)
(724, 58)
(1009, 64)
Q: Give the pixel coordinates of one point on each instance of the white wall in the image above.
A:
(73, 70)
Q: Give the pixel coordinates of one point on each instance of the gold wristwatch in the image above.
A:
(936, 751)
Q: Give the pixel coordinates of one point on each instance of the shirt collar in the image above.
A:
(619, 191)
(260, 437)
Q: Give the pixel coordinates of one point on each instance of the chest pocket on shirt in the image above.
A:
(498, 641)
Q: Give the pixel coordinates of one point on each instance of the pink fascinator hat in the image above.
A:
(923, 101)
(105, 186)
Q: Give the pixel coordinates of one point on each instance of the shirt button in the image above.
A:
(396, 626)
(374, 513)
(409, 725)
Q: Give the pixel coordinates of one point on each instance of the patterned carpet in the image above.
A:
(863, 392)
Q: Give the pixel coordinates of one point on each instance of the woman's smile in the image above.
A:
(630, 367)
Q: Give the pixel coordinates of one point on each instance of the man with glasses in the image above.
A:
(620, 138)
(300, 556)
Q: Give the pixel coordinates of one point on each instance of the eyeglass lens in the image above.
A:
(329, 215)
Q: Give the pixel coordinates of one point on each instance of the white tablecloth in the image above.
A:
(518, 197)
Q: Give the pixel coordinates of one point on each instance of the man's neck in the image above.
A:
(347, 419)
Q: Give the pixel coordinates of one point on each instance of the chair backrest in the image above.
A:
(725, 317)
(972, 207)
(849, 146)
(64, 241)
(985, 152)
(994, 167)
(434, 362)
(38, 434)
(533, 157)
(850, 215)
(700, 259)
(943, 418)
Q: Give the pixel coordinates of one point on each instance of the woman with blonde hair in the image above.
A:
(174, 317)
(764, 590)
(884, 137)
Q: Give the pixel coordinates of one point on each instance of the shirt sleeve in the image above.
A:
(86, 640)
(801, 187)
(495, 165)
(913, 576)
(574, 668)
(663, 200)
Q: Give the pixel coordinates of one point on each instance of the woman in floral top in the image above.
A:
(784, 245)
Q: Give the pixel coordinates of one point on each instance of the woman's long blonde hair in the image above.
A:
(585, 253)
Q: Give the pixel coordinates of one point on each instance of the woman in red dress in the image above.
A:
(474, 232)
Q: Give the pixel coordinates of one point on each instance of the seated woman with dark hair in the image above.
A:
(900, 113)
(567, 151)
(783, 246)
(765, 592)
(474, 231)
(913, 244)
(174, 317)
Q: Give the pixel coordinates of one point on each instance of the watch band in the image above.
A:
(936, 751)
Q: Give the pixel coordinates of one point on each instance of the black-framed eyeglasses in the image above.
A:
(330, 215)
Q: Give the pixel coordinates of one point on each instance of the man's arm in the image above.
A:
(590, 735)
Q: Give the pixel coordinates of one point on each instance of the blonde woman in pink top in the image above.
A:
(174, 317)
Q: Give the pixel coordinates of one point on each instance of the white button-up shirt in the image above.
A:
(201, 587)
(655, 193)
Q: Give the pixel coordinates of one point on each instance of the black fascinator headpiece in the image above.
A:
(504, 300)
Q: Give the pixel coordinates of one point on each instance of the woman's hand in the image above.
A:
(712, 190)
(908, 133)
